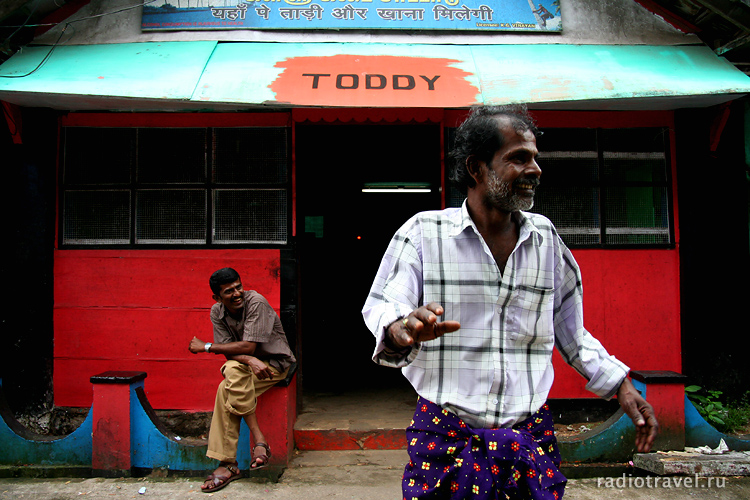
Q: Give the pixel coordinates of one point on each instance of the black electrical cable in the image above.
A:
(62, 32)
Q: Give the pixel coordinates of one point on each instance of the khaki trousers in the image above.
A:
(236, 398)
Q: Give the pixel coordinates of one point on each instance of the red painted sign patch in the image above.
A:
(373, 81)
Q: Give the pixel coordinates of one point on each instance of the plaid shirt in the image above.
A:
(497, 369)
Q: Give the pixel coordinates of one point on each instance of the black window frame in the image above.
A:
(208, 185)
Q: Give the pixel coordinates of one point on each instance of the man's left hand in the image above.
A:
(259, 368)
(642, 414)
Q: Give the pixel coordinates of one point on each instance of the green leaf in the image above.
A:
(717, 420)
(692, 388)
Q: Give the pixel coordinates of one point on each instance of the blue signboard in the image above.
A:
(492, 15)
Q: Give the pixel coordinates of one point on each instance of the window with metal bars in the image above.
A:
(174, 186)
(603, 187)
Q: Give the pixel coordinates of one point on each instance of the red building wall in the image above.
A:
(631, 303)
(138, 310)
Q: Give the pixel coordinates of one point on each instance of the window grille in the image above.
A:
(246, 216)
(98, 156)
(171, 155)
(102, 216)
(257, 158)
(171, 216)
(175, 186)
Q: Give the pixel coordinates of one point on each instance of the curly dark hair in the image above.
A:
(479, 136)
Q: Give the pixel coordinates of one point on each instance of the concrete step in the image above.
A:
(370, 419)
(731, 463)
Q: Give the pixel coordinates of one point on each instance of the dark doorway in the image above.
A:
(344, 233)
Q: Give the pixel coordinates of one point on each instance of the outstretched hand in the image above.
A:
(421, 325)
(642, 414)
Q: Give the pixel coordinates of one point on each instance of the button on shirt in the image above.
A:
(496, 370)
(259, 323)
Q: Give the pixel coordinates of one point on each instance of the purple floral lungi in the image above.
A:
(448, 459)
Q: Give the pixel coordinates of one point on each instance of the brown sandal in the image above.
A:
(264, 457)
(220, 481)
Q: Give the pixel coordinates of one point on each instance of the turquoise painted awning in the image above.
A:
(211, 75)
(71, 75)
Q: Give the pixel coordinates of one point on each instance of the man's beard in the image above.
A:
(501, 195)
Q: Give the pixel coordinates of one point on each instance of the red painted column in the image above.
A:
(665, 391)
(277, 412)
(111, 422)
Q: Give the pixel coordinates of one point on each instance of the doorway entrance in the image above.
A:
(344, 234)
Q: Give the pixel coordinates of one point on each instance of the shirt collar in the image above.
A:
(524, 219)
(464, 221)
(528, 228)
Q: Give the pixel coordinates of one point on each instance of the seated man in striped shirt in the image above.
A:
(470, 302)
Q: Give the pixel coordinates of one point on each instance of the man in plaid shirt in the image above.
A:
(508, 291)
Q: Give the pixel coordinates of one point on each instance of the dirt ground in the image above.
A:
(574, 430)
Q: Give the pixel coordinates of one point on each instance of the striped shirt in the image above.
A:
(260, 324)
(496, 370)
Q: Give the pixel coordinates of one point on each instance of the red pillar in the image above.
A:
(111, 426)
(276, 415)
(665, 391)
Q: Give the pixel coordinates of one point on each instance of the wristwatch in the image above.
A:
(207, 346)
